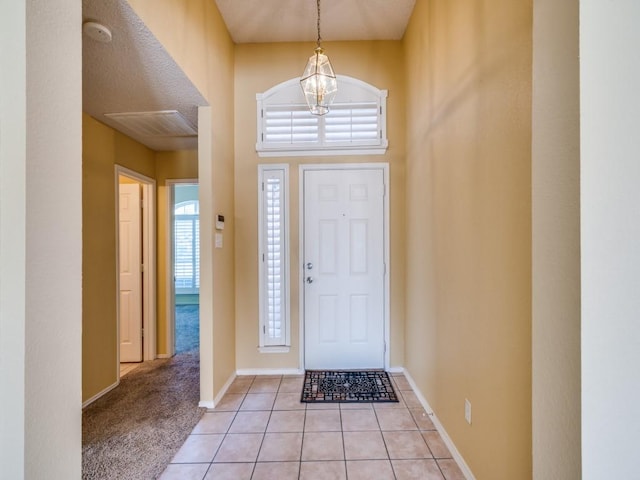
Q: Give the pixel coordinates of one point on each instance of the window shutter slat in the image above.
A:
(355, 124)
(273, 279)
(187, 248)
(345, 124)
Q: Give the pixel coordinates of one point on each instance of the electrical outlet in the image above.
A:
(467, 411)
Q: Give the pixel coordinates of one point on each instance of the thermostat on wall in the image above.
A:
(219, 222)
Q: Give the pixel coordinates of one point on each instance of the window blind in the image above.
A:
(355, 125)
(187, 253)
(345, 125)
(273, 291)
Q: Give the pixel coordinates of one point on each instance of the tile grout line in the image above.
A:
(384, 442)
(344, 447)
(415, 421)
(255, 463)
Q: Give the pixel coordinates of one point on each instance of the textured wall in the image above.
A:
(102, 149)
(40, 239)
(13, 154)
(193, 33)
(556, 241)
(258, 68)
(610, 233)
(468, 310)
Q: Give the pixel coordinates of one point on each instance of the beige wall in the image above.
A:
(169, 166)
(194, 34)
(40, 239)
(258, 68)
(102, 149)
(468, 327)
(556, 242)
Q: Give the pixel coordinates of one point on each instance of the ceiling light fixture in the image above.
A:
(318, 81)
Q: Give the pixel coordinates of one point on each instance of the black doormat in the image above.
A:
(347, 386)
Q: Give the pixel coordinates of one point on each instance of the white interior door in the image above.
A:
(130, 253)
(344, 269)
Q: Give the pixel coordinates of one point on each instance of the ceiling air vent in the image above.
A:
(165, 123)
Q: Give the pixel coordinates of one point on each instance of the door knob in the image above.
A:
(309, 266)
(309, 280)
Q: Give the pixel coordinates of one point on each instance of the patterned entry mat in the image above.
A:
(347, 386)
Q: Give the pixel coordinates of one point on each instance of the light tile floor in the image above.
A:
(261, 430)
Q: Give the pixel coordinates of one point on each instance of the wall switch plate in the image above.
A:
(467, 411)
(218, 240)
(219, 222)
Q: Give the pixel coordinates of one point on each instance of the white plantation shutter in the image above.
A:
(273, 255)
(289, 125)
(186, 250)
(355, 124)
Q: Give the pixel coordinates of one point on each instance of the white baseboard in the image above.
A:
(395, 370)
(163, 355)
(224, 389)
(100, 394)
(252, 371)
(466, 471)
(269, 371)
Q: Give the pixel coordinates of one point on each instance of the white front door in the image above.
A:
(130, 273)
(344, 268)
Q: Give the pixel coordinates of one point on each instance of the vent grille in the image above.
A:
(164, 123)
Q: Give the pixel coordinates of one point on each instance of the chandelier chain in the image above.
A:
(319, 39)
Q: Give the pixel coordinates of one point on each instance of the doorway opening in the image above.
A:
(184, 308)
(136, 280)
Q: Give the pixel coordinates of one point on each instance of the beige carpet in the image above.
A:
(134, 431)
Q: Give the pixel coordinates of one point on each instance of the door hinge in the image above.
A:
(384, 267)
(142, 267)
(142, 332)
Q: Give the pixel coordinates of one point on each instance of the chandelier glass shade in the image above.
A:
(318, 81)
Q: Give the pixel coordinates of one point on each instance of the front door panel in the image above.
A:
(344, 268)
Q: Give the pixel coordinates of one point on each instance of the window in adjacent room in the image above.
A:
(187, 247)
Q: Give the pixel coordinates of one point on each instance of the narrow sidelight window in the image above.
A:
(273, 257)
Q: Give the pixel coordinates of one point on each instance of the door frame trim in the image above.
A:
(148, 260)
(384, 166)
(170, 259)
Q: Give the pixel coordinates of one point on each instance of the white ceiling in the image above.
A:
(260, 21)
(134, 73)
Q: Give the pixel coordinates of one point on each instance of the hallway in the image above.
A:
(133, 431)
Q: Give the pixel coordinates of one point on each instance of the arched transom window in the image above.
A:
(355, 124)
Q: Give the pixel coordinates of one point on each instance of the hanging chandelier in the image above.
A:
(318, 81)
